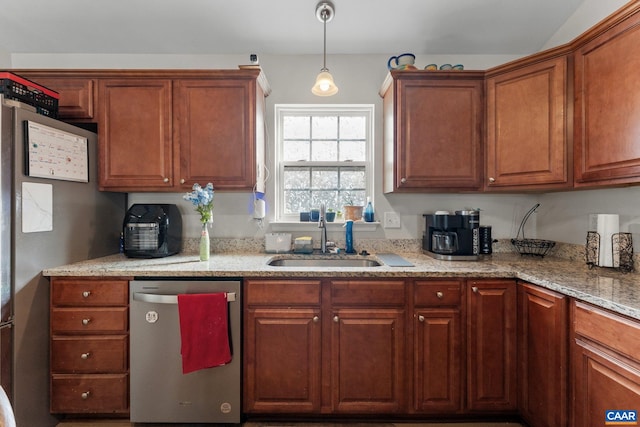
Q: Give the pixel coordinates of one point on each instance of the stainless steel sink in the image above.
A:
(323, 262)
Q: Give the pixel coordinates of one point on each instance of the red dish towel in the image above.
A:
(204, 331)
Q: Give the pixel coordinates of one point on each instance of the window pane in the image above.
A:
(324, 151)
(352, 197)
(353, 150)
(296, 178)
(295, 150)
(296, 127)
(352, 178)
(329, 198)
(324, 178)
(296, 201)
(353, 127)
(324, 127)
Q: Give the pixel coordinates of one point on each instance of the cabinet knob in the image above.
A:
(182, 181)
(492, 179)
(316, 319)
(403, 180)
(85, 356)
(85, 395)
(421, 318)
(86, 321)
(86, 294)
(440, 294)
(336, 319)
(165, 180)
(474, 289)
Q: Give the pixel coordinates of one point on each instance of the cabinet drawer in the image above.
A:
(609, 329)
(438, 293)
(365, 292)
(285, 292)
(96, 354)
(89, 320)
(100, 394)
(85, 292)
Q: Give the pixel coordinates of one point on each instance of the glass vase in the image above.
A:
(204, 243)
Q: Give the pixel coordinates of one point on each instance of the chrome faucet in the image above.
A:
(323, 232)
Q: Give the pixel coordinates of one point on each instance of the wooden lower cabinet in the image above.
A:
(367, 346)
(437, 346)
(89, 346)
(491, 346)
(543, 356)
(324, 346)
(282, 346)
(605, 364)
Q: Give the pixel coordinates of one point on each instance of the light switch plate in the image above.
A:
(391, 220)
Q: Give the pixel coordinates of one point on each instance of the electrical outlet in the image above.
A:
(391, 220)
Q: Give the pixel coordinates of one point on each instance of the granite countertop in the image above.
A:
(607, 288)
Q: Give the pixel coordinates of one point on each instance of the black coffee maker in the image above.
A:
(452, 236)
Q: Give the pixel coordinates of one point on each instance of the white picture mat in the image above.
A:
(37, 207)
(55, 154)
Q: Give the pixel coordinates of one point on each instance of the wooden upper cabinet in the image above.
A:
(216, 132)
(77, 92)
(432, 131)
(166, 130)
(527, 143)
(135, 142)
(607, 102)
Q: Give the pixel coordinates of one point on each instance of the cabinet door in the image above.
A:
(527, 127)
(438, 134)
(491, 345)
(135, 149)
(437, 361)
(367, 359)
(282, 360)
(543, 356)
(77, 95)
(605, 364)
(607, 107)
(216, 131)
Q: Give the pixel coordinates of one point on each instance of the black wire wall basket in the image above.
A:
(534, 247)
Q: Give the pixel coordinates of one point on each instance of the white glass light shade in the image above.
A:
(324, 85)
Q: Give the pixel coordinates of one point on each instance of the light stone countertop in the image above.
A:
(603, 287)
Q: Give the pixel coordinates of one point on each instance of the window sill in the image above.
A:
(331, 226)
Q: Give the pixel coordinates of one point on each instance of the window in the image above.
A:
(323, 155)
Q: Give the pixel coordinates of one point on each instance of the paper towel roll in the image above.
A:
(607, 226)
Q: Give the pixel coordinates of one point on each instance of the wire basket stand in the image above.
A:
(535, 247)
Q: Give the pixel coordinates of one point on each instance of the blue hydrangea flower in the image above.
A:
(202, 200)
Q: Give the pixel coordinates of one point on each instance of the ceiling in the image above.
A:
(280, 27)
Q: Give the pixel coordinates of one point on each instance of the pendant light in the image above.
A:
(324, 85)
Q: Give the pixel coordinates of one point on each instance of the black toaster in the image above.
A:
(152, 230)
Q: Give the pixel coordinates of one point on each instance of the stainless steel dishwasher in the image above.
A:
(160, 392)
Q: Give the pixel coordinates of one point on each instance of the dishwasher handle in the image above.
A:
(168, 298)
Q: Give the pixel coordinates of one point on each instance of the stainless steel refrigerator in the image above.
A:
(51, 213)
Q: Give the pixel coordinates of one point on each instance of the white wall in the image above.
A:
(5, 59)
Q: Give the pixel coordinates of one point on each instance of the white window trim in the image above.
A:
(304, 109)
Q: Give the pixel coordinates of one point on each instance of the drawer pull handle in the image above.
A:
(86, 321)
(315, 319)
(86, 294)
(421, 318)
(182, 181)
(474, 289)
(439, 294)
(85, 356)
(165, 180)
(85, 395)
(336, 319)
